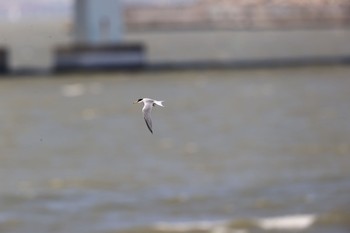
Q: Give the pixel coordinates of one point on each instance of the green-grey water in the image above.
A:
(230, 150)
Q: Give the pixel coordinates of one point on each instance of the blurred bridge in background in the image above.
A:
(204, 33)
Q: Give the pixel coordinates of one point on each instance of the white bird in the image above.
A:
(148, 104)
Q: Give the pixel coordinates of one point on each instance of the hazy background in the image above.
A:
(250, 150)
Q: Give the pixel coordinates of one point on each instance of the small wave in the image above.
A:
(294, 222)
(280, 223)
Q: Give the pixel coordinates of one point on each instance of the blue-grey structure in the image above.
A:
(98, 31)
(98, 21)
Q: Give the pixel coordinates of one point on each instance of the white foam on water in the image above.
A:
(293, 222)
(73, 90)
(281, 223)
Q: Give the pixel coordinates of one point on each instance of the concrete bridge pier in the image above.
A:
(98, 39)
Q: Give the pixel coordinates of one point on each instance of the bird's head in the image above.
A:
(138, 101)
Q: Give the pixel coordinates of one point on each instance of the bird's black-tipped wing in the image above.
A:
(147, 116)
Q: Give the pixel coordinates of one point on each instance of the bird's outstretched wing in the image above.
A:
(147, 116)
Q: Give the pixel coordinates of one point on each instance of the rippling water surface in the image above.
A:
(232, 151)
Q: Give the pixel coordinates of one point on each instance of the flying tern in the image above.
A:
(148, 104)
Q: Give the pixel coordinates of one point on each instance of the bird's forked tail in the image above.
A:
(159, 103)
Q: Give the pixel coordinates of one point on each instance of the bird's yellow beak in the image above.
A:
(135, 102)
